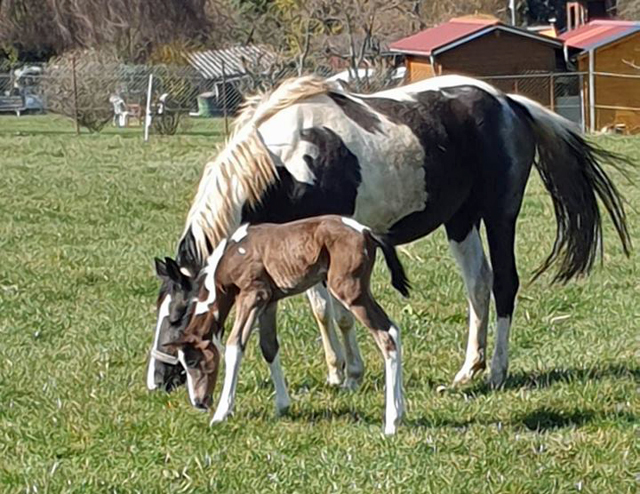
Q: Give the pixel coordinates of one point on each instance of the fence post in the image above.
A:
(147, 115)
(592, 93)
(224, 100)
(552, 93)
(75, 93)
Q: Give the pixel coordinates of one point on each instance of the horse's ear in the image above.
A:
(176, 275)
(161, 269)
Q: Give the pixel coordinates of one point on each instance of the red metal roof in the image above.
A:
(456, 31)
(599, 33)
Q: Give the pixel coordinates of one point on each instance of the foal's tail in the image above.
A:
(399, 279)
(571, 170)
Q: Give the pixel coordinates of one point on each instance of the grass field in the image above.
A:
(81, 219)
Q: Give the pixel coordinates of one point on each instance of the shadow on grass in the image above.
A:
(544, 419)
(547, 378)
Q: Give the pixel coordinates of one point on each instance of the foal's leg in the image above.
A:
(246, 313)
(387, 336)
(355, 365)
(323, 312)
(469, 255)
(270, 351)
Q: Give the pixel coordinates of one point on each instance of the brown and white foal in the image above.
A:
(263, 264)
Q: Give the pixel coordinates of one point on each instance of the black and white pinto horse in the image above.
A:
(449, 151)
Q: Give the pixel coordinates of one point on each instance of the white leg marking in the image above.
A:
(500, 361)
(393, 385)
(151, 370)
(232, 359)
(323, 312)
(192, 391)
(282, 396)
(476, 272)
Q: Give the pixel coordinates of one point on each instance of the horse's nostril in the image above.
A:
(202, 406)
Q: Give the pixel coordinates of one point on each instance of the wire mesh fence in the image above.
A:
(99, 93)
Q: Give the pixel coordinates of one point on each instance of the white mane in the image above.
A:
(243, 170)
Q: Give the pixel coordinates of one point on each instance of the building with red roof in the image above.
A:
(608, 52)
(482, 46)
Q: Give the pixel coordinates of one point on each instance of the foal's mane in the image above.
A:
(243, 170)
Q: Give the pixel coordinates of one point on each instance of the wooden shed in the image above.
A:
(485, 47)
(609, 56)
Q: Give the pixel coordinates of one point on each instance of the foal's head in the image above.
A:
(198, 344)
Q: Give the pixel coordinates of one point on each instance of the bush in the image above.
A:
(96, 80)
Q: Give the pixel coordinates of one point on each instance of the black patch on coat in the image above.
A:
(337, 177)
(187, 256)
(450, 125)
(357, 112)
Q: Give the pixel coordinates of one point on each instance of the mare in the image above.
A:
(450, 151)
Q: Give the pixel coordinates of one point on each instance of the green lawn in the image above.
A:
(81, 219)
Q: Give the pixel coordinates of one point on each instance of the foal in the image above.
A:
(263, 264)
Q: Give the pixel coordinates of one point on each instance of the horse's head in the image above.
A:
(164, 369)
(198, 347)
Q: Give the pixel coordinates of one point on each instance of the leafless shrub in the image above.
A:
(94, 84)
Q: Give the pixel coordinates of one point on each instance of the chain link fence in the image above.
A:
(98, 93)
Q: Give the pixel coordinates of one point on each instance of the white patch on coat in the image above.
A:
(242, 250)
(240, 233)
(354, 224)
(210, 278)
(190, 386)
(408, 92)
(391, 161)
(162, 313)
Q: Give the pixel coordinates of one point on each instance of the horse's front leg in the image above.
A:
(333, 352)
(246, 313)
(270, 351)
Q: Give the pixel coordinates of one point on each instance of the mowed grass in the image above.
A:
(81, 219)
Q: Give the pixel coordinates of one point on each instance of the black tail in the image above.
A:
(399, 279)
(571, 170)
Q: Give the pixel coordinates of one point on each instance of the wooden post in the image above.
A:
(224, 100)
(75, 93)
(592, 93)
(552, 94)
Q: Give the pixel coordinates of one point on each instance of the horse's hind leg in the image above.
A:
(501, 237)
(323, 312)
(387, 336)
(270, 351)
(466, 247)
